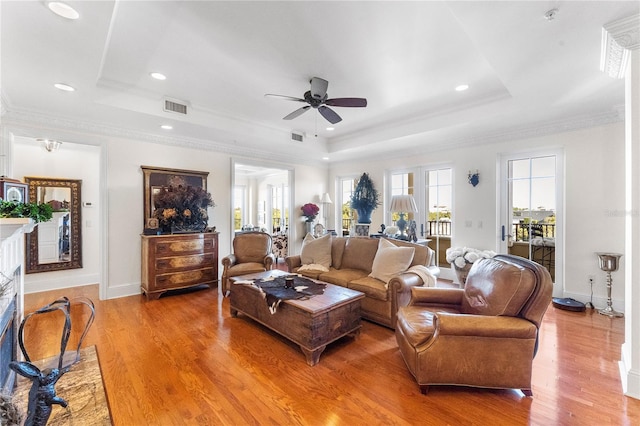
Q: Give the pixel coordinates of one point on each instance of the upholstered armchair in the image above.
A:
(252, 253)
(484, 335)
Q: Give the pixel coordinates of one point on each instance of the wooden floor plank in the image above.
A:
(184, 360)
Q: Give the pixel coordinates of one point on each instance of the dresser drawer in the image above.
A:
(183, 246)
(184, 278)
(195, 261)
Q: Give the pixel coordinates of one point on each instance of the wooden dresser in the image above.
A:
(177, 261)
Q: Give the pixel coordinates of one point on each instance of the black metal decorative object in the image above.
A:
(42, 395)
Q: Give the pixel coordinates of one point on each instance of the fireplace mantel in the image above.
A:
(12, 258)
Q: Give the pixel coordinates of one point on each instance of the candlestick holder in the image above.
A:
(609, 263)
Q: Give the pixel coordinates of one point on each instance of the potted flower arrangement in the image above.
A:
(309, 211)
(365, 198)
(462, 258)
(182, 208)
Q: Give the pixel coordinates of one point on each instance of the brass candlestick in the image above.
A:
(609, 263)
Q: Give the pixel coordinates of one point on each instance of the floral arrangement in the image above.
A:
(310, 211)
(183, 208)
(459, 257)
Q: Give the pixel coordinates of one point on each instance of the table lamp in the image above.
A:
(403, 204)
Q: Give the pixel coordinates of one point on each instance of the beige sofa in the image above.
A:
(352, 260)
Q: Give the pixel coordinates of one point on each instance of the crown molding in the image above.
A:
(34, 123)
(618, 38)
(533, 131)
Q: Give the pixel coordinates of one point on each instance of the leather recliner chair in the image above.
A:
(252, 253)
(484, 335)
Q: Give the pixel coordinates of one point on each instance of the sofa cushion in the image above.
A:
(337, 250)
(371, 287)
(316, 250)
(390, 260)
(359, 253)
(497, 288)
(422, 255)
(342, 277)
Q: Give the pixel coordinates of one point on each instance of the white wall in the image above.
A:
(71, 161)
(594, 198)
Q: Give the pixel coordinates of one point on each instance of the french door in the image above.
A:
(531, 210)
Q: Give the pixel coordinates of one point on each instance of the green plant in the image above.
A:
(37, 212)
(365, 198)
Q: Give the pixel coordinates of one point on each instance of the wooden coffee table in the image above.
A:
(312, 323)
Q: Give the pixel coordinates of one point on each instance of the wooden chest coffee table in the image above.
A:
(312, 323)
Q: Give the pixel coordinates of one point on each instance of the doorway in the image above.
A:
(261, 201)
(531, 210)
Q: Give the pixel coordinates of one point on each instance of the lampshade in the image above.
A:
(403, 203)
(326, 199)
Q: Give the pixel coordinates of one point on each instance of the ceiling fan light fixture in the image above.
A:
(63, 10)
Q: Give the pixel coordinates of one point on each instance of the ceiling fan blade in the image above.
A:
(347, 102)
(329, 114)
(319, 87)
(286, 98)
(297, 113)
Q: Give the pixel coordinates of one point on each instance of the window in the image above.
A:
(439, 196)
(239, 211)
(279, 208)
(345, 190)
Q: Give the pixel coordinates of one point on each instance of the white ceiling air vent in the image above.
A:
(298, 137)
(173, 105)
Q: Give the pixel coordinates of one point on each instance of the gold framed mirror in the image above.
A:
(57, 244)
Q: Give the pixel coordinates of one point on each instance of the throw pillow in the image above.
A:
(316, 250)
(390, 260)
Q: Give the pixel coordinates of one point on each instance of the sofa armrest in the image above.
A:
(229, 260)
(485, 326)
(437, 296)
(404, 282)
(293, 262)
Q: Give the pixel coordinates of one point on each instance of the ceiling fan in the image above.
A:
(317, 99)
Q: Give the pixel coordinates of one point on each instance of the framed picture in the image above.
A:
(362, 230)
(14, 190)
(154, 179)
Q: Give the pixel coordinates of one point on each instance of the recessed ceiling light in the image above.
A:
(166, 127)
(64, 87)
(63, 9)
(325, 158)
(331, 129)
(158, 76)
(462, 87)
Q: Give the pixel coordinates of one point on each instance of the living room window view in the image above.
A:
(319, 213)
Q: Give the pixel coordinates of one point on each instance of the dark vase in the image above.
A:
(364, 216)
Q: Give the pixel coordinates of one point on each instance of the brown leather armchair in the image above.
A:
(251, 253)
(484, 335)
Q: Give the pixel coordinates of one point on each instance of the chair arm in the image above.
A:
(269, 260)
(484, 326)
(439, 296)
(229, 260)
(293, 262)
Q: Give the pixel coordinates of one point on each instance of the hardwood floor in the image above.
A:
(183, 360)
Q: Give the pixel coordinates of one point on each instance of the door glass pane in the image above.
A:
(532, 204)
